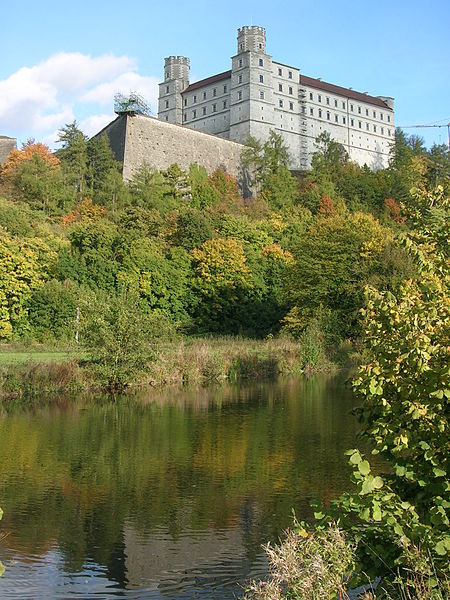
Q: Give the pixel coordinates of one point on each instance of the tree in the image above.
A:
(119, 336)
(404, 386)
(263, 159)
(334, 260)
(74, 158)
(103, 176)
(20, 274)
(329, 154)
(36, 176)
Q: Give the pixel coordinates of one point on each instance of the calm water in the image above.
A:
(166, 495)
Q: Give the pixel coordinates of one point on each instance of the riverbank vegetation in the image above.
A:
(397, 519)
(119, 271)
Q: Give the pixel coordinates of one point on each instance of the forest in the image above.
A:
(189, 254)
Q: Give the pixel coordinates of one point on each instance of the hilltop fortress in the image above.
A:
(208, 121)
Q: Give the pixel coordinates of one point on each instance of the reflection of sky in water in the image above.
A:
(166, 496)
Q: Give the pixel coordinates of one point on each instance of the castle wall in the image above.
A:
(6, 145)
(159, 144)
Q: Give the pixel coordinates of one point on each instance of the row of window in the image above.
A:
(204, 95)
(204, 110)
(352, 107)
(344, 121)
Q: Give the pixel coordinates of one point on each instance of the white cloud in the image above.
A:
(36, 101)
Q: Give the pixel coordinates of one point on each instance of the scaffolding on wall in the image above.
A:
(130, 105)
(303, 129)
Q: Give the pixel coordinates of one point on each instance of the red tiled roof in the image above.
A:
(341, 91)
(304, 80)
(208, 81)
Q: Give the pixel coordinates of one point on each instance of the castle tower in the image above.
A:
(176, 79)
(251, 93)
(251, 39)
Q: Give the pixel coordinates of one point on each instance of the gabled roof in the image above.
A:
(208, 81)
(303, 80)
(341, 91)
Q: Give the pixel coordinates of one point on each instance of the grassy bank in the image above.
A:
(31, 371)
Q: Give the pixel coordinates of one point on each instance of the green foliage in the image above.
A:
(333, 262)
(120, 337)
(21, 272)
(329, 154)
(405, 389)
(73, 155)
(52, 310)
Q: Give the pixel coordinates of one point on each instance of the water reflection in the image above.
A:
(166, 494)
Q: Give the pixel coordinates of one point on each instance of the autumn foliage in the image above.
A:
(30, 150)
(84, 210)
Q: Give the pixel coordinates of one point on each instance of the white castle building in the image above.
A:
(259, 94)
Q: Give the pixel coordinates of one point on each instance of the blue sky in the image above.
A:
(63, 61)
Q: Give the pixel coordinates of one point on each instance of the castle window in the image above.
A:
(359, 110)
(320, 113)
(241, 46)
(389, 119)
(194, 100)
(367, 126)
(185, 101)
(374, 114)
(311, 111)
(167, 104)
(336, 119)
(204, 110)
(167, 74)
(239, 95)
(261, 95)
(240, 62)
(214, 107)
(261, 79)
(280, 72)
(167, 118)
(291, 105)
(204, 95)
(224, 89)
(352, 122)
(389, 132)
(375, 128)
(359, 124)
(381, 116)
(367, 112)
(304, 110)
(280, 87)
(343, 105)
(185, 116)
(328, 101)
(167, 89)
(224, 103)
(215, 92)
(240, 79)
(194, 114)
(343, 120)
(382, 131)
(351, 107)
(319, 98)
(261, 62)
(280, 102)
(291, 91)
(260, 46)
(290, 74)
(310, 95)
(328, 115)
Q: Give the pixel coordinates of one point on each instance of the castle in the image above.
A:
(259, 94)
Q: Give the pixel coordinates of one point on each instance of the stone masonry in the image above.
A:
(6, 145)
(137, 139)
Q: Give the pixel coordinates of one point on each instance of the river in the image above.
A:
(165, 494)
